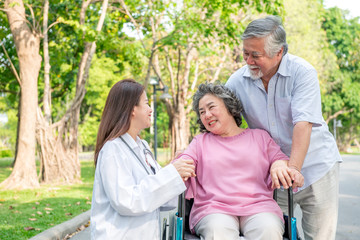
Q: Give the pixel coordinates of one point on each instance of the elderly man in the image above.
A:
(280, 93)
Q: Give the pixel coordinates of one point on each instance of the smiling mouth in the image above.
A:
(211, 122)
(252, 68)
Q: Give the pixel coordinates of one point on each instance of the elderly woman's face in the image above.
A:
(215, 116)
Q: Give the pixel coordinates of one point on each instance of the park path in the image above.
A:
(349, 200)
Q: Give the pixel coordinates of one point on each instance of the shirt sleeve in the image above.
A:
(306, 99)
(273, 150)
(190, 153)
(274, 153)
(129, 198)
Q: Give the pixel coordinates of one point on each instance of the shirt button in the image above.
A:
(272, 124)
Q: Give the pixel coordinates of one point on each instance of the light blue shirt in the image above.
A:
(293, 96)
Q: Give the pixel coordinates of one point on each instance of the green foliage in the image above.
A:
(42, 208)
(307, 39)
(8, 134)
(213, 28)
(162, 122)
(343, 87)
(102, 77)
(6, 153)
(344, 38)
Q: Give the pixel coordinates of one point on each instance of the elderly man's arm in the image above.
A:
(299, 148)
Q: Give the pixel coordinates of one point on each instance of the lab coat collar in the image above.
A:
(131, 141)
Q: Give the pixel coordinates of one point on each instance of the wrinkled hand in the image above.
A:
(281, 174)
(185, 168)
(297, 177)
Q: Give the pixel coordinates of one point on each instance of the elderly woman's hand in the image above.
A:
(280, 174)
(185, 168)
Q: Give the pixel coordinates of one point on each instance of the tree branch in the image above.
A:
(51, 26)
(32, 15)
(12, 65)
(331, 117)
(137, 27)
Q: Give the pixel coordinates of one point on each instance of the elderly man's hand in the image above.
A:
(297, 177)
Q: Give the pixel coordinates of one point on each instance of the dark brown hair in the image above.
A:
(115, 120)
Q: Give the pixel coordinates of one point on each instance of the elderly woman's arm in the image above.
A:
(280, 174)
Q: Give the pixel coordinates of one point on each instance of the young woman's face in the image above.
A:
(142, 112)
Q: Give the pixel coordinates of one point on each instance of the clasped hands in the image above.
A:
(287, 176)
(185, 168)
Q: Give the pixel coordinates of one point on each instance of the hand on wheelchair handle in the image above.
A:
(297, 178)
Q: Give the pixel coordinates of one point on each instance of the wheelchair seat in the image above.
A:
(183, 232)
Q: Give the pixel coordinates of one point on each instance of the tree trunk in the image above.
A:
(47, 66)
(27, 44)
(58, 142)
(180, 131)
(180, 127)
(17, 131)
(58, 164)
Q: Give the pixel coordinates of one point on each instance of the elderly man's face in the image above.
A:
(260, 64)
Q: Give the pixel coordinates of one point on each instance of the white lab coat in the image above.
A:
(126, 200)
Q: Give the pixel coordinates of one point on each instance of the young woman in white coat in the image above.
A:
(130, 186)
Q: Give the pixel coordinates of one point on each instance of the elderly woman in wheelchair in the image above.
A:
(236, 172)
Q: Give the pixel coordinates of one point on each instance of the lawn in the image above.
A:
(26, 213)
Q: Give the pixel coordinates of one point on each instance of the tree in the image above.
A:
(307, 39)
(187, 43)
(9, 85)
(59, 152)
(343, 88)
(58, 141)
(27, 43)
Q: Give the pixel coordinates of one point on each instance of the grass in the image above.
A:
(163, 156)
(26, 213)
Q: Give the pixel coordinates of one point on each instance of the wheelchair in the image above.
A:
(180, 222)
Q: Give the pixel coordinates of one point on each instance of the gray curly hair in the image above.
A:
(231, 102)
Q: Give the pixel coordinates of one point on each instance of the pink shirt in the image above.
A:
(232, 174)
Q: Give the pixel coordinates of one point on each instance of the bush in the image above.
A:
(6, 153)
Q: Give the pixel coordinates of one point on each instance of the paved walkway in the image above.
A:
(349, 203)
(349, 200)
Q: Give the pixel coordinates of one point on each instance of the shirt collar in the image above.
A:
(283, 68)
(247, 72)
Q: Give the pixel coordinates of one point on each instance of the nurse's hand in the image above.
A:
(185, 168)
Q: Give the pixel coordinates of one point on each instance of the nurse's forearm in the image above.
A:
(300, 144)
